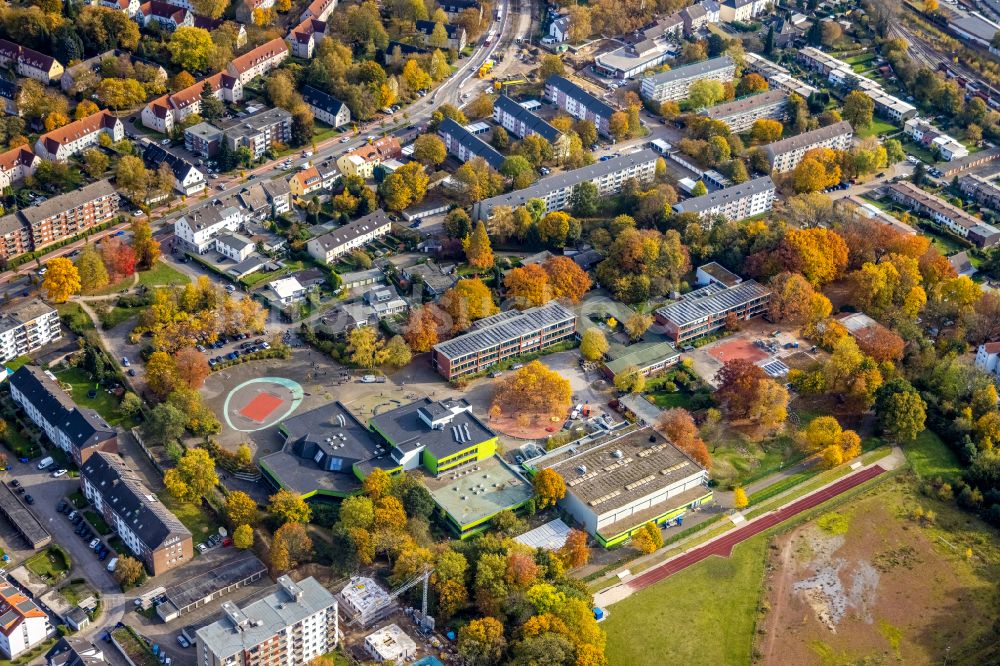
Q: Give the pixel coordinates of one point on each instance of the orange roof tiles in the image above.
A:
(77, 129)
(21, 156)
(260, 54)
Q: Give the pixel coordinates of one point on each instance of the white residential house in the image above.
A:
(328, 247)
(25, 625)
(235, 246)
(74, 138)
(288, 290)
(199, 228)
(559, 30)
(988, 358)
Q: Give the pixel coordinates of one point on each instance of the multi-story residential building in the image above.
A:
(293, 625)
(305, 36)
(16, 165)
(521, 123)
(932, 138)
(26, 327)
(675, 83)
(311, 179)
(704, 311)
(74, 138)
(200, 227)
(951, 217)
(128, 7)
(578, 103)
(331, 111)
(260, 131)
(786, 154)
(166, 14)
(162, 113)
(362, 161)
(840, 73)
(390, 644)
(557, 190)
(617, 484)
(318, 9)
(81, 433)
(9, 91)
(188, 179)
(279, 195)
(203, 139)
(737, 202)
(30, 63)
(502, 336)
(23, 625)
(328, 247)
(465, 145)
(147, 527)
(988, 358)
(739, 115)
(743, 10)
(58, 218)
(455, 32)
(980, 189)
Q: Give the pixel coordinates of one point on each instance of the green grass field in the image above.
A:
(716, 598)
(877, 128)
(105, 403)
(162, 275)
(197, 520)
(930, 457)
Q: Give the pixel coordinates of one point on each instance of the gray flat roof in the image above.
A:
(694, 70)
(609, 473)
(808, 138)
(718, 197)
(68, 201)
(501, 328)
(404, 428)
(231, 572)
(23, 519)
(571, 178)
(712, 302)
(265, 618)
(490, 487)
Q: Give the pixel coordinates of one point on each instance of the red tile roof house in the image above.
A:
(16, 165)
(164, 13)
(163, 112)
(63, 143)
(30, 63)
(319, 9)
(305, 36)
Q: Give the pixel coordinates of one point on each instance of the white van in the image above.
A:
(113, 564)
(45, 462)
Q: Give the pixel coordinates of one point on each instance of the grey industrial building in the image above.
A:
(22, 519)
(192, 593)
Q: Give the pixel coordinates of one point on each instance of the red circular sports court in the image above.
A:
(261, 406)
(723, 546)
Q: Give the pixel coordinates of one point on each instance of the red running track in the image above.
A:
(723, 546)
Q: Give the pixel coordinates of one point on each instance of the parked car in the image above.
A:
(59, 472)
(15, 483)
(125, 361)
(29, 499)
(93, 544)
(183, 642)
(131, 372)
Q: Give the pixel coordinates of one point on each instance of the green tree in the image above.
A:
(365, 348)
(289, 507)
(241, 509)
(481, 642)
(243, 536)
(699, 189)
(90, 266)
(900, 409)
(630, 380)
(585, 200)
(95, 162)
(858, 109)
(193, 477)
(429, 150)
(191, 48)
(593, 344)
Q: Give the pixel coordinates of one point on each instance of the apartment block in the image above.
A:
(200, 227)
(578, 103)
(58, 218)
(147, 527)
(739, 115)
(786, 154)
(932, 138)
(328, 247)
(743, 10)
(557, 190)
(74, 138)
(982, 190)
(305, 36)
(951, 217)
(704, 311)
(25, 327)
(23, 625)
(293, 625)
(675, 84)
(81, 433)
(776, 76)
(465, 145)
(737, 202)
(30, 63)
(259, 132)
(521, 122)
(330, 110)
(840, 73)
(318, 9)
(502, 336)
(16, 165)
(362, 161)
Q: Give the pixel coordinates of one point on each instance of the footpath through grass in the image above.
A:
(717, 597)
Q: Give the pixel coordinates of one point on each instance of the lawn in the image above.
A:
(14, 365)
(162, 275)
(50, 564)
(117, 315)
(75, 592)
(945, 244)
(708, 610)
(197, 519)
(78, 319)
(97, 522)
(105, 403)
(929, 457)
(877, 128)
(665, 400)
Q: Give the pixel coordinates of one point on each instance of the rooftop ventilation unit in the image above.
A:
(617, 454)
(582, 469)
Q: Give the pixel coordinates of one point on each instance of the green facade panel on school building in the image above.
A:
(660, 520)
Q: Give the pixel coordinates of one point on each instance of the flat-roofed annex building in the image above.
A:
(704, 311)
(502, 336)
(676, 83)
(737, 202)
(786, 154)
(289, 627)
(617, 482)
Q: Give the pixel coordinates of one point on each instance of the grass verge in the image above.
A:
(929, 457)
(193, 516)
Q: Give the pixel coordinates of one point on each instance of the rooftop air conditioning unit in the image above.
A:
(617, 454)
(582, 469)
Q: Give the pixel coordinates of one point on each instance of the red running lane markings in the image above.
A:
(723, 547)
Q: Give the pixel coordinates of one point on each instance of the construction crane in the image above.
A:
(370, 614)
(501, 85)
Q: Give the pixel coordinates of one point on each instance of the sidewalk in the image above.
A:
(729, 538)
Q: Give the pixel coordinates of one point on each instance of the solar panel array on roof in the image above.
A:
(504, 328)
(689, 310)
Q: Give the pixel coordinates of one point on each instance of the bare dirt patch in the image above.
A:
(871, 584)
